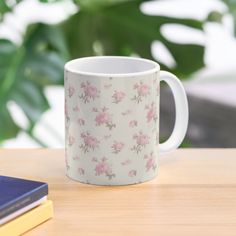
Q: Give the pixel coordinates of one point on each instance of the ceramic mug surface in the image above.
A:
(112, 119)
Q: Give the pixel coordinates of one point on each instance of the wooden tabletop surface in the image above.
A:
(194, 194)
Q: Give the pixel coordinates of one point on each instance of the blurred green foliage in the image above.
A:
(101, 27)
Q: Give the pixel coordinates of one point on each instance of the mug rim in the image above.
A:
(155, 65)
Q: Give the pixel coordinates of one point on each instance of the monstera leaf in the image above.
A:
(25, 71)
(120, 28)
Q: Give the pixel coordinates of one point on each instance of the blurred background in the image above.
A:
(195, 39)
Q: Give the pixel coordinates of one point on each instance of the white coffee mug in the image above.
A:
(112, 119)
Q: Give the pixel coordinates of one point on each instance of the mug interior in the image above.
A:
(111, 65)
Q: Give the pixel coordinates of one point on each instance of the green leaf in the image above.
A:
(26, 70)
(8, 128)
(122, 29)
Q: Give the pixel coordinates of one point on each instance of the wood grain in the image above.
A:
(194, 194)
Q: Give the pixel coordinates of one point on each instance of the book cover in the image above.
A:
(22, 210)
(28, 221)
(17, 193)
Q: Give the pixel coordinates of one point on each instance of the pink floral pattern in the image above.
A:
(117, 147)
(150, 162)
(151, 114)
(103, 168)
(142, 91)
(132, 173)
(90, 142)
(141, 141)
(90, 92)
(129, 114)
(103, 117)
(118, 96)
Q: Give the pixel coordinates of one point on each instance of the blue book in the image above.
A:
(16, 194)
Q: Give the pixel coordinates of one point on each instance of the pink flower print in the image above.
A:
(90, 92)
(141, 141)
(104, 118)
(118, 96)
(151, 113)
(90, 142)
(103, 168)
(71, 140)
(151, 162)
(81, 171)
(71, 91)
(81, 121)
(133, 123)
(126, 162)
(132, 173)
(142, 91)
(117, 147)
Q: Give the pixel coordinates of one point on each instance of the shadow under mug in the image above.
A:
(112, 119)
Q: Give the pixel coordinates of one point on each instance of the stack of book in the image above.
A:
(23, 205)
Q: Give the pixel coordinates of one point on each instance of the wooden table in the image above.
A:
(194, 194)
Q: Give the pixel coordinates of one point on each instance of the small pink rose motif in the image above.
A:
(103, 168)
(71, 91)
(132, 173)
(151, 162)
(151, 113)
(141, 141)
(133, 123)
(81, 121)
(142, 91)
(90, 142)
(90, 92)
(117, 147)
(104, 118)
(71, 140)
(118, 96)
(81, 171)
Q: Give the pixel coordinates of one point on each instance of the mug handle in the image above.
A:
(181, 112)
